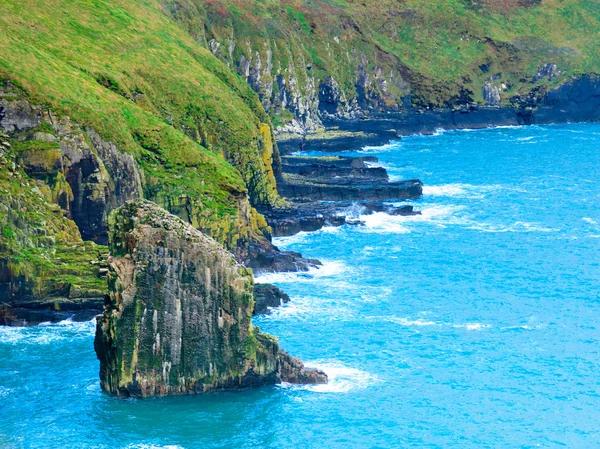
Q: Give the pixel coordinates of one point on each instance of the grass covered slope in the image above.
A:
(124, 69)
(78, 77)
(389, 54)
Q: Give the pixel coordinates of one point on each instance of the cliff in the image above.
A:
(105, 103)
(314, 61)
(178, 316)
(44, 261)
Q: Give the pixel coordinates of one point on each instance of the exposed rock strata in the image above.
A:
(298, 188)
(178, 316)
(83, 177)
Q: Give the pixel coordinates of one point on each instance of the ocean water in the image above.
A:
(474, 325)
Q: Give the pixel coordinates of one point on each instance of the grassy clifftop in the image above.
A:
(124, 69)
(76, 78)
(392, 54)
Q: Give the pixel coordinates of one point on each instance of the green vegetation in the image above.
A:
(199, 135)
(437, 51)
(124, 69)
(39, 244)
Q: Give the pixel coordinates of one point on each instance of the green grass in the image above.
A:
(437, 45)
(126, 70)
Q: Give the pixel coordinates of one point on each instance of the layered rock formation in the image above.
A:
(342, 179)
(267, 296)
(177, 319)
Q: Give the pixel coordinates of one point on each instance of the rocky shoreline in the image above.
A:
(178, 314)
(343, 184)
(577, 100)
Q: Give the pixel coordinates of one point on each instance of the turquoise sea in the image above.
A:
(474, 325)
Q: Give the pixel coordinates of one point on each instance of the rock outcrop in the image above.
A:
(177, 319)
(267, 296)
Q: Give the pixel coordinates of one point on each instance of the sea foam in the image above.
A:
(342, 379)
(329, 268)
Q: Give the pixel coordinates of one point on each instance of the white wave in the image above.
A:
(467, 190)
(393, 145)
(445, 190)
(471, 326)
(525, 139)
(384, 223)
(410, 322)
(342, 379)
(506, 127)
(310, 308)
(519, 226)
(589, 220)
(47, 333)
(420, 322)
(529, 327)
(329, 230)
(381, 222)
(283, 242)
(329, 268)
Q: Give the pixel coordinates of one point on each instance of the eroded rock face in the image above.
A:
(87, 175)
(177, 319)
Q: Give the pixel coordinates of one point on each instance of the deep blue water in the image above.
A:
(474, 325)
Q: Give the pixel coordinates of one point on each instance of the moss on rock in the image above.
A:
(178, 315)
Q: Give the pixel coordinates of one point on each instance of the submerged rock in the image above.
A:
(177, 319)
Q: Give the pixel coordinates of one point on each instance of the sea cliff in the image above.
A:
(178, 317)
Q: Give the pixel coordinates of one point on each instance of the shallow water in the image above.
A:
(473, 325)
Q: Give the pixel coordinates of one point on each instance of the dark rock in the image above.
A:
(97, 176)
(18, 317)
(335, 168)
(178, 315)
(576, 100)
(314, 215)
(267, 296)
(264, 257)
(344, 190)
(54, 310)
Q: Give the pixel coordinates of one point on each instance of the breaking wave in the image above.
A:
(342, 379)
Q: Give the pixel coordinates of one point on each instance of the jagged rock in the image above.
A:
(314, 215)
(549, 71)
(491, 94)
(264, 257)
(178, 315)
(89, 176)
(267, 296)
(338, 168)
(341, 179)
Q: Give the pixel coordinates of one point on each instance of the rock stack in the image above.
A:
(177, 318)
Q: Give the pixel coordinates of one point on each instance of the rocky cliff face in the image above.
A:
(44, 262)
(82, 177)
(87, 176)
(178, 316)
(315, 61)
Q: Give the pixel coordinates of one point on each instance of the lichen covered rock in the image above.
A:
(178, 316)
